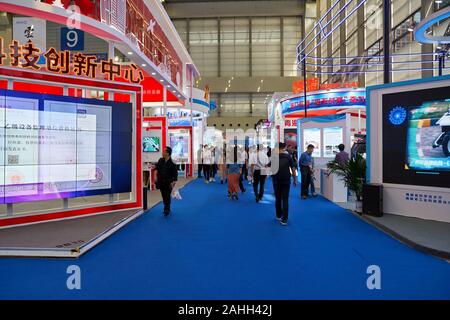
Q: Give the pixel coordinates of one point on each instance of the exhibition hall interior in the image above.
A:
(224, 150)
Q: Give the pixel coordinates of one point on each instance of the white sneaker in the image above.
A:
(278, 219)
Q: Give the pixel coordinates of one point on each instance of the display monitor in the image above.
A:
(332, 138)
(312, 136)
(290, 137)
(416, 134)
(151, 144)
(62, 147)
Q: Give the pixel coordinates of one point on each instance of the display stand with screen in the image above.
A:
(408, 147)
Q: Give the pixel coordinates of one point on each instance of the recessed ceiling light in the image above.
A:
(153, 73)
(116, 59)
(130, 53)
(144, 65)
(162, 80)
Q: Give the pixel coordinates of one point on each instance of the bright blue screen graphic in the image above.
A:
(397, 115)
(62, 147)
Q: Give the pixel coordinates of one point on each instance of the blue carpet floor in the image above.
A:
(211, 248)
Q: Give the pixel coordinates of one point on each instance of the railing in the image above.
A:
(134, 19)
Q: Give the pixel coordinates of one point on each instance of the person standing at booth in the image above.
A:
(166, 178)
(342, 157)
(306, 169)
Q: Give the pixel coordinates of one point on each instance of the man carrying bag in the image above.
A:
(166, 178)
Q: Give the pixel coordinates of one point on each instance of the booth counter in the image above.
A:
(333, 187)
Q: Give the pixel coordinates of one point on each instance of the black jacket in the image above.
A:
(286, 165)
(167, 171)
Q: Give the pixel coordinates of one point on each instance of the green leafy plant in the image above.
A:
(353, 173)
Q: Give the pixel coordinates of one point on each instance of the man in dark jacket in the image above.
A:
(282, 183)
(166, 178)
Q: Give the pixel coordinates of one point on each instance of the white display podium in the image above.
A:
(332, 187)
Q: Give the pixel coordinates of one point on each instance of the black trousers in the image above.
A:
(200, 167)
(282, 199)
(245, 172)
(241, 182)
(166, 191)
(259, 180)
(306, 179)
(207, 171)
(214, 171)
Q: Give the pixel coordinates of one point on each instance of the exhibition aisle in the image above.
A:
(71, 237)
(211, 248)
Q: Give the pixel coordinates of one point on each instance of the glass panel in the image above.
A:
(266, 37)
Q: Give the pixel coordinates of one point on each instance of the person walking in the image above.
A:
(200, 161)
(166, 178)
(234, 171)
(281, 180)
(243, 160)
(259, 163)
(306, 167)
(207, 160)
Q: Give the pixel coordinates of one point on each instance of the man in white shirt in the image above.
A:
(251, 157)
(259, 163)
(207, 162)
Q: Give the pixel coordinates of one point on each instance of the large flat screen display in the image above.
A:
(416, 134)
(62, 147)
(179, 142)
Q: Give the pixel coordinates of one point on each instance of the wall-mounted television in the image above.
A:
(151, 144)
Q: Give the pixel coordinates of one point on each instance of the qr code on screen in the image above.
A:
(13, 159)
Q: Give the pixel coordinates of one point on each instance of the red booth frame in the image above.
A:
(60, 81)
(162, 127)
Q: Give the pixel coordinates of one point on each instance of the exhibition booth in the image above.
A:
(326, 133)
(334, 116)
(179, 126)
(408, 147)
(73, 138)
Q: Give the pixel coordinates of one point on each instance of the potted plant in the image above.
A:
(353, 173)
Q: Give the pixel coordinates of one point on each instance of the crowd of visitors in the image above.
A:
(234, 164)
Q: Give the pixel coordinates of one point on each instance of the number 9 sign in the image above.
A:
(72, 39)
